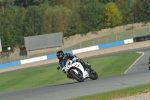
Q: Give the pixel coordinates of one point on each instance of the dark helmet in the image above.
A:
(60, 54)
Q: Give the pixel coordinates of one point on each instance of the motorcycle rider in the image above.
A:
(63, 56)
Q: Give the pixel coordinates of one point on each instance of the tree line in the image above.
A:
(22, 18)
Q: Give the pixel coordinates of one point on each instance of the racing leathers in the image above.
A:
(71, 57)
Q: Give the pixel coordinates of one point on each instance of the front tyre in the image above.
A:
(78, 77)
(93, 75)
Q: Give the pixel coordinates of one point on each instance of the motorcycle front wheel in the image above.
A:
(78, 77)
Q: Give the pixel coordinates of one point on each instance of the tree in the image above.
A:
(113, 16)
(75, 25)
(33, 21)
(142, 11)
(53, 2)
(19, 17)
(105, 1)
(126, 9)
(6, 4)
(27, 3)
(56, 19)
(6, 30)
(92, 15)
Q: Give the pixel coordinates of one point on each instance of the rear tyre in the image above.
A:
(78, 77)
(93, 75)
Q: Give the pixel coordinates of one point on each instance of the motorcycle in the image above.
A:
(76, 70)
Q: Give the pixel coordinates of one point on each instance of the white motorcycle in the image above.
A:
(76, 70)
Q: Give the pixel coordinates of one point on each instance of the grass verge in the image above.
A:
(41, 76)
(117, 93)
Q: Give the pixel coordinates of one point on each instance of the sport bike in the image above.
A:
(76, 71)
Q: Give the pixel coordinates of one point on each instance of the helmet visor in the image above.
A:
(60, 56)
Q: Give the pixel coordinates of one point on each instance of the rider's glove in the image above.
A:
(58, 68)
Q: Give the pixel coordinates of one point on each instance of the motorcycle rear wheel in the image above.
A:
(93, 75)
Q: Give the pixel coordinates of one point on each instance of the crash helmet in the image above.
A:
(60, 54)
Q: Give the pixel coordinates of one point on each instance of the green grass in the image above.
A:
(41, 76)
(117, 93)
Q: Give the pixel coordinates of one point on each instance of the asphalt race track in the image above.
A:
(136, 75)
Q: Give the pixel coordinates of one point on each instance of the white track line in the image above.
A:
(134, 62)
